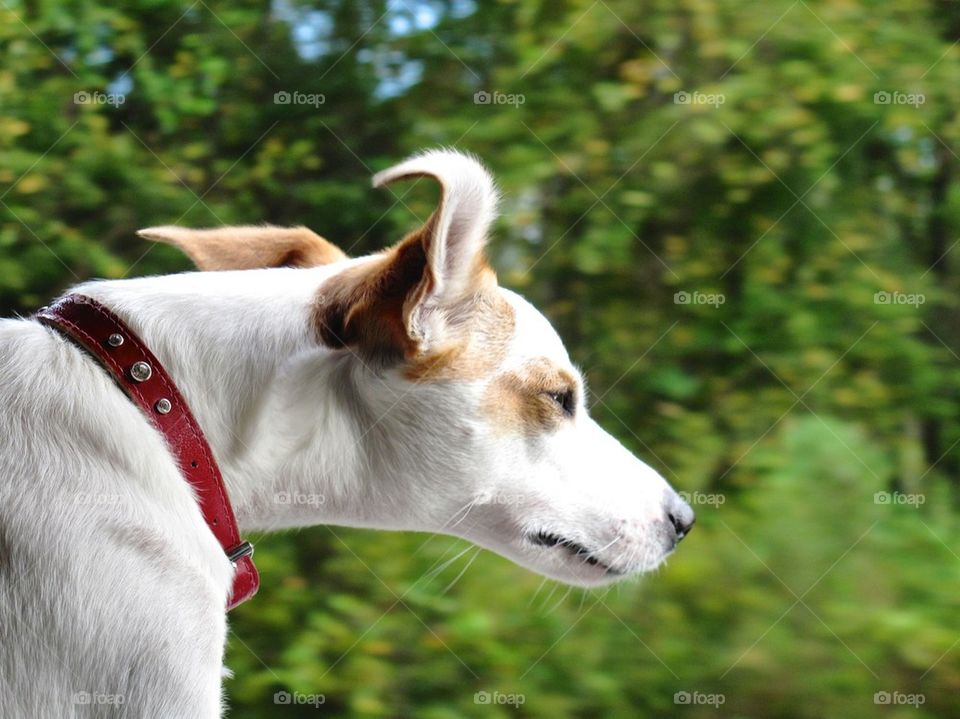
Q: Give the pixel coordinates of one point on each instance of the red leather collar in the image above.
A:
(124, 355)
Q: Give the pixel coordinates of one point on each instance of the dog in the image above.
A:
(405, 388)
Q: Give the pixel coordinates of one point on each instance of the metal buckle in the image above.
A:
(244, 549)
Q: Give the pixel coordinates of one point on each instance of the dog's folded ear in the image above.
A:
(411, 298)
(248, 248)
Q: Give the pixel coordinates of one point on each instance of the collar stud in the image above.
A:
(141, 371)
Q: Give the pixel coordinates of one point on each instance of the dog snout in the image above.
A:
(680, 515)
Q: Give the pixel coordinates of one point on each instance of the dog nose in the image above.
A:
(681, 516)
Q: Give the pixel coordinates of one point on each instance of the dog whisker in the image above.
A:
(536, 593)
(470, 505)
(546, 599)
(462, 571)
(465, 510)
(436, 570)
(561, 600)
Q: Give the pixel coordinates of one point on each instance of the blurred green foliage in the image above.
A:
(780, 181)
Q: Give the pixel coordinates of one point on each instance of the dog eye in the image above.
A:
(565, 400)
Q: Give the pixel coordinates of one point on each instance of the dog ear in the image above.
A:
(410, 298)
(454, 237)
(248, 248)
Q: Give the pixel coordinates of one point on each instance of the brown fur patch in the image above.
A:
(518, 401)
(247, 248)
(482, 327)
(363, 306)
(366, 307)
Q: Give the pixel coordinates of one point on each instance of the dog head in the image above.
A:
(471, 414)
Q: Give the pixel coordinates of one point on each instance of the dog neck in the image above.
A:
(285, 416)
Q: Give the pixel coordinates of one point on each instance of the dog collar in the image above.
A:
(141, 376)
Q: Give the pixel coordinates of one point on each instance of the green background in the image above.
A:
(795, 192)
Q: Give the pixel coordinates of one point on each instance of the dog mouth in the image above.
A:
(574, 549)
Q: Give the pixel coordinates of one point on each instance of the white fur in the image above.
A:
(111, 582)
